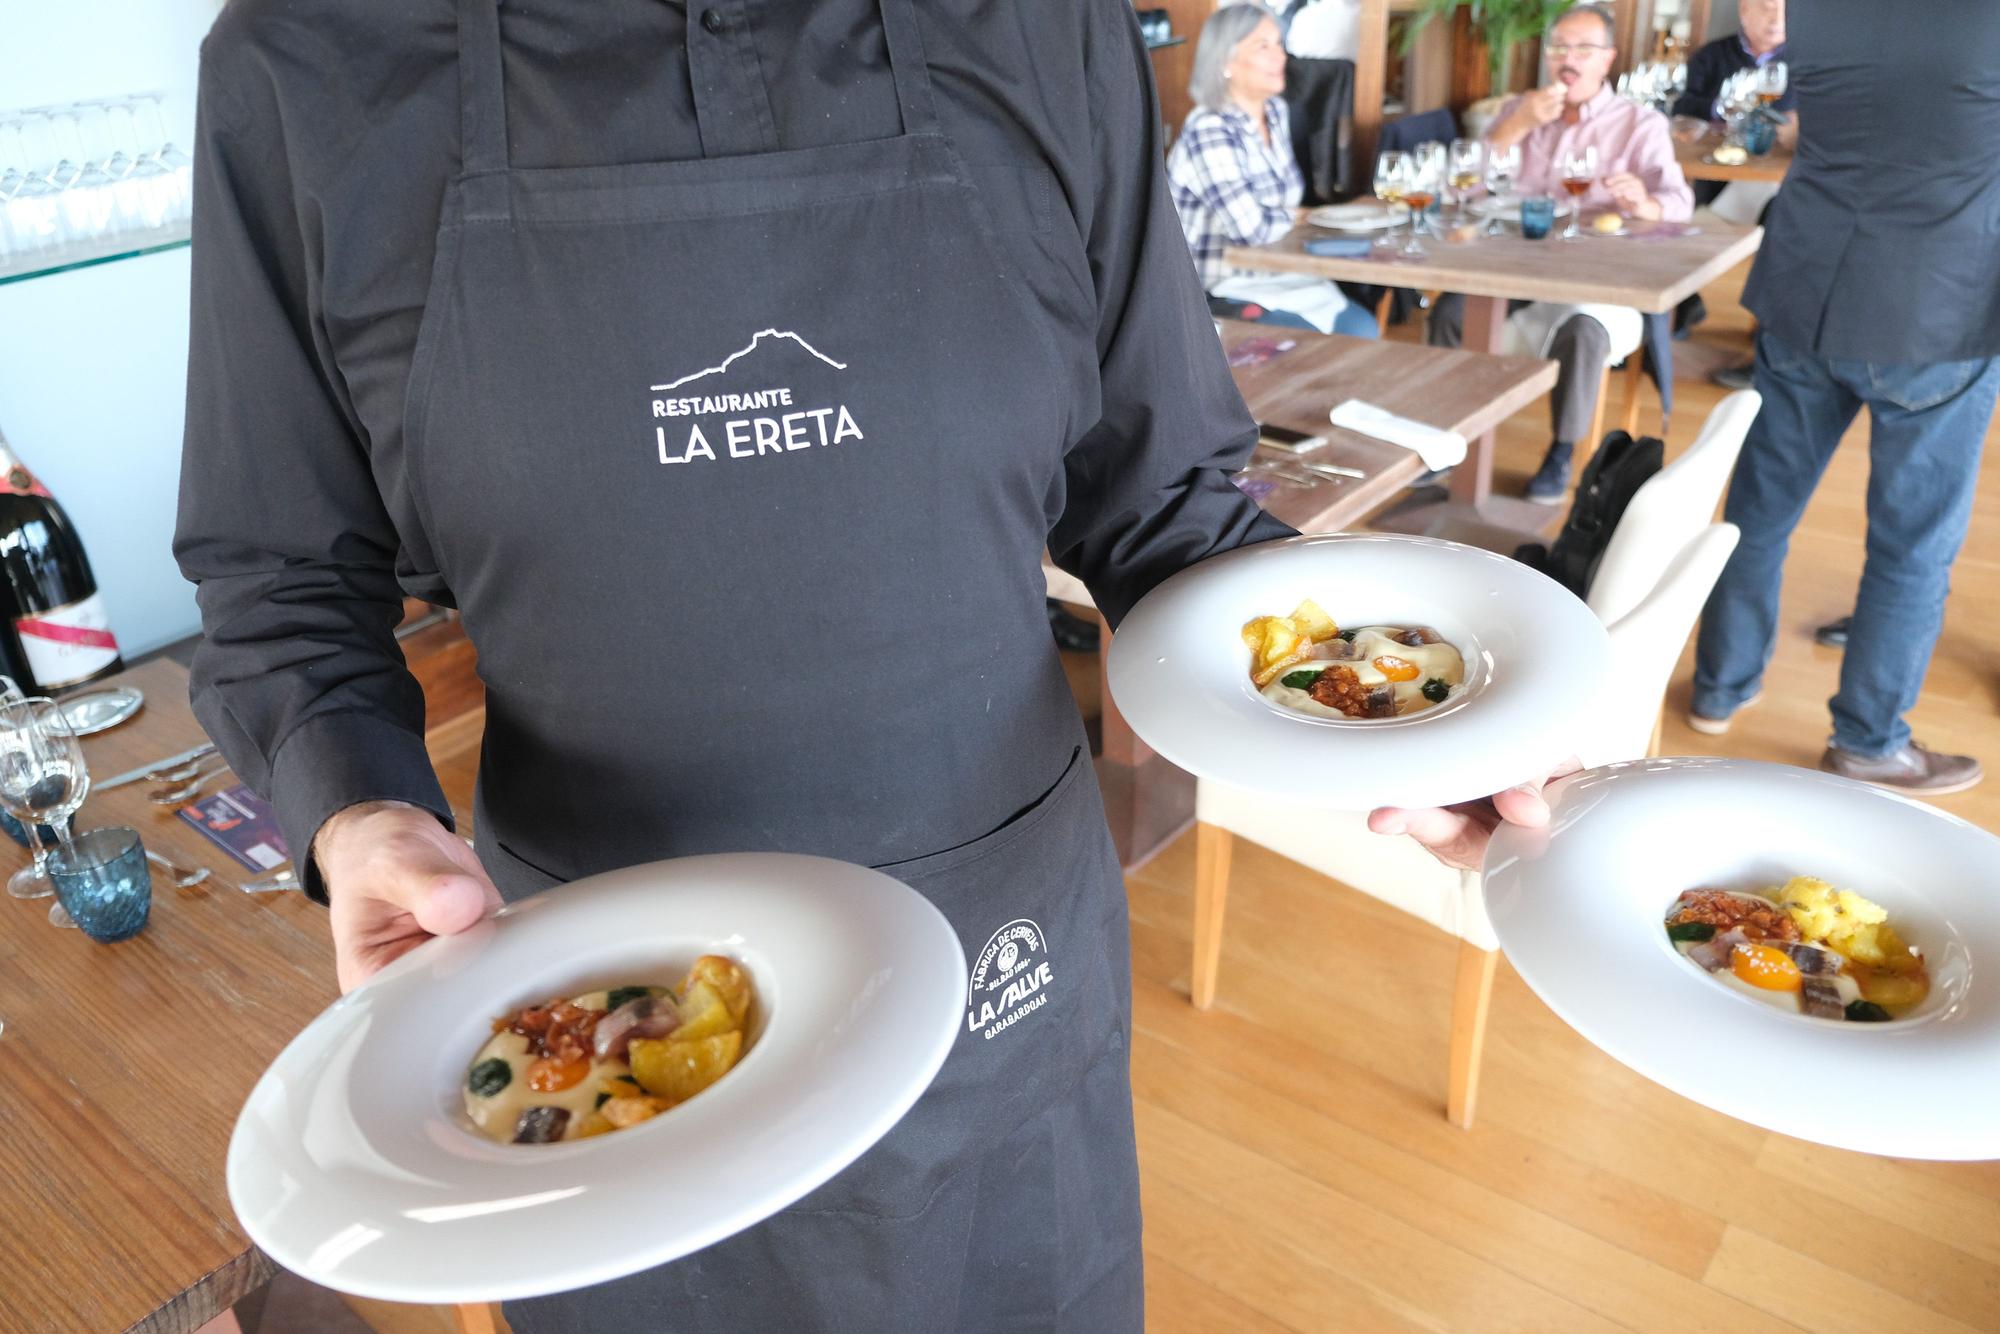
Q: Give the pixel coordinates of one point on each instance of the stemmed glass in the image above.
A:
(1772, 81)
(1392, 173)
(174, 166)
(1579, 170)
(1468, 160)
(1502, 165)
(33, 219)
(1421, 189)
(43, 780)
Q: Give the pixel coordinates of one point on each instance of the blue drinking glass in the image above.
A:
(102, 881)
(1759, 133)
(1538, 214)
(20, 835)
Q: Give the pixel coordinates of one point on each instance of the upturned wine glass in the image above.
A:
(1502, 166)
(43, 780)
(1392, 173)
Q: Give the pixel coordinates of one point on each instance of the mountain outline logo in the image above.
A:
(755, 339)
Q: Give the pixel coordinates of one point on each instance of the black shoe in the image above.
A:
(1834, 633)
(1551, 481)
(1073, 633)
(1734, 377)
(1687, 314)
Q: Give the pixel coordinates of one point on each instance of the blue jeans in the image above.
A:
(1927, 426)
(1355, 320)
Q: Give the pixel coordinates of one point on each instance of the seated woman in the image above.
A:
(1235, 181)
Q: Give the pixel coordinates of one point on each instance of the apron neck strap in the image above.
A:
(482, 98)
(906, 62)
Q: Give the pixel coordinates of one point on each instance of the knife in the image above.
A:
(134, 775)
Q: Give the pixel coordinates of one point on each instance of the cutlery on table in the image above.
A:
(182, 877)
(179, 793)
(146, 770)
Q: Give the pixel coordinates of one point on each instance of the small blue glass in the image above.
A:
(1538, 214)
(102, 881)
(1759, 133)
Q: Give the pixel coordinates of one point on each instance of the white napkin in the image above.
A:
(1438, 449)
(1315, 300)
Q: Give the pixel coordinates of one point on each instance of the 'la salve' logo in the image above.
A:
(1010, 981)
(745, 417)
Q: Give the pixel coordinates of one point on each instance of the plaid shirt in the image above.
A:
(1229, 186)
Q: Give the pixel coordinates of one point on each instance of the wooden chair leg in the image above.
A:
(1469, 1002)
(1211, 890)
(1635, 385)
(1382, 308)
(1659, 732)
(477, 1318)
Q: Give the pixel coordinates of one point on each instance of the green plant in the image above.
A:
(1499, 23)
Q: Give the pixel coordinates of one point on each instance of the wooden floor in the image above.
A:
(1298, 1170)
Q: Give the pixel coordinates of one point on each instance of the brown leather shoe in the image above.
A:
(1911, 769)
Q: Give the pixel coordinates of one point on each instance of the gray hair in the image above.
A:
(1226, 27)
(1602, 13)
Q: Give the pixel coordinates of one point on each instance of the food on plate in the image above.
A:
(1803, 946)
(1608, 223)
(1729, 155)
(605, 1060)
(1307, 663)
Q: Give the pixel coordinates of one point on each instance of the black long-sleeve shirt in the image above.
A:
(328, 130)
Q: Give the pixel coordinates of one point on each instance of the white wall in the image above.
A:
(93, 362)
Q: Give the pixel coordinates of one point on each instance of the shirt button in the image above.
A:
(711, 20)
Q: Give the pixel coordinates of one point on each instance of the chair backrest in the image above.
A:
(1674, 505)
(1646, 643)
(1421, 127)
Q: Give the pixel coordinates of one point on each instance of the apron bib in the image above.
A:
(740, 471)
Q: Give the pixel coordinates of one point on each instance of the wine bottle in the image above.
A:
(61, 636)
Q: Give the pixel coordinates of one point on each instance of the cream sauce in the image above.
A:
(1374, 641)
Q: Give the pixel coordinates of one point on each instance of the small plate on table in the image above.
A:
(1365, 215)
(355, 1164)
(1534, 660)
(92, 711)
(1580, 910)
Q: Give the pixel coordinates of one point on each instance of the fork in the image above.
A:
(177, 795)
(182, 878)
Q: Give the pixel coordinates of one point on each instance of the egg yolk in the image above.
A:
(1395, 668)
(1765, 967)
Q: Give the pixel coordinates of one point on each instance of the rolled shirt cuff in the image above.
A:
(335, 760)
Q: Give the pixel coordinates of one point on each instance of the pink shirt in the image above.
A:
(1628, 137)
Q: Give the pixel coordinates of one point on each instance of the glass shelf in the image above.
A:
(104, 251)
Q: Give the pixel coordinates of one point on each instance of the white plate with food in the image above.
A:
(1803, 952)
(1365, 215)
(1361, 670)
(602, 1078)
(1508, 207)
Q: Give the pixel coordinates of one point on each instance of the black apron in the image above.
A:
(740, 470)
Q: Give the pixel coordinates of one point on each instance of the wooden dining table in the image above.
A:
(123, 1066)
(1697, 164)
(1147, 800)
(1647, 269)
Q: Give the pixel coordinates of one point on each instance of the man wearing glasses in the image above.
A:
(1635, 174)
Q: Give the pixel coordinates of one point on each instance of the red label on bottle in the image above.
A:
(67, 634)
(22, 483)
(65, 645)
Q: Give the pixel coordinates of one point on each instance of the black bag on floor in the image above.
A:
(1617, 470)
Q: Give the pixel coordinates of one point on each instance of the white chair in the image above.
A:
(1646, 642)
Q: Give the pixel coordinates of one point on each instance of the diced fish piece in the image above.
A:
(540, 1125)
(1334, 650)
(1418, 635)
(1713, 953)
(1810, 958)
(1381, 702)
(1820, 998)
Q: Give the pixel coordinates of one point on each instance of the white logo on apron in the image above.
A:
(1010, 979)
(756, 419)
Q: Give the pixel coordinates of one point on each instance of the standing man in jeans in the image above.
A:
(1878, 286)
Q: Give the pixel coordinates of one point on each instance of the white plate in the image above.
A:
(1535, 659)
(1508, 207)
(354, 1165)
(94, 711)
(1578, 908)
(1364, 216)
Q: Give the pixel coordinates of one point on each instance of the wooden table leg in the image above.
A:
(476, 1318)
(1485, 331)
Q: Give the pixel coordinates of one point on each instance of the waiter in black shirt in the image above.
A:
(729, 367)
(1877, 287)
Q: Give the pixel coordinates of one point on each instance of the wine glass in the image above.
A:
(1468, 163)
(33, 219)
(1772, 80)
(175, 167)
(1392, 173)
(1579, 172)
(1420, 191)
(43, 780)
(1502, 165)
